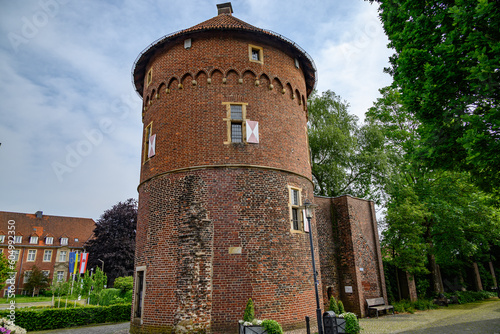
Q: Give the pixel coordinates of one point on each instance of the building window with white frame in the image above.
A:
(64, 241)
(26, 276)
(33, 240)
(46, 273)
(18, 239)
(60, 276)
(49, 240)
(2, 239)
(47, 255)
(15, 254)
(62, 256)
(31, 255)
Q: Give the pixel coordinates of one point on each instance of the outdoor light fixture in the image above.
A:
(308, 207)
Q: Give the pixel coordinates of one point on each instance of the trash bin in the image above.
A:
(329, 322)
(332, 324)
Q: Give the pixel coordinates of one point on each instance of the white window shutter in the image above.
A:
(306, 223)
(152, 146)
(252, 132)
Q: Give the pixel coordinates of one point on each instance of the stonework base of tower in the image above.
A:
(210, 239)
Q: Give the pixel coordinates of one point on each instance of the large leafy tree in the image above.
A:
(346, 158)
(433, 216)
(114, 240)
(447, 64)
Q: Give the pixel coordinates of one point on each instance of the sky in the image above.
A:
(70, 119)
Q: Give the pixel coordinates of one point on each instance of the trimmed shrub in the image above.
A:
(249, 314)
(470, 296)
(341, 307)
(333, 305)
(53, 318)
(351, 323)
(272, 326)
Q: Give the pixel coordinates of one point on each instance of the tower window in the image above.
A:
(147, 134)
(149, 77)
(297, 224)
(256, 54)
(235, 119)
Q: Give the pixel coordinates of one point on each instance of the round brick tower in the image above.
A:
(225, 170)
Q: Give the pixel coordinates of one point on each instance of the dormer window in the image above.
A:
(49, 240)
(64, 241)
(76, 239)
(33, 240)
(2, 239)
(18, 239)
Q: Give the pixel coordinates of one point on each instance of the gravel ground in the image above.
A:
(474, 318)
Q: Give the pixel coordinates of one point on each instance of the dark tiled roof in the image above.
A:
(54, 226)
(226, 22)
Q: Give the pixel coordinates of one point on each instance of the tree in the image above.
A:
(114, 240)
(447, 64)
(346, 158)
(37, 280)
(124, 283)
(433, 216)
(4, 270)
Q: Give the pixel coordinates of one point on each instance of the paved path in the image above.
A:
(473, 318)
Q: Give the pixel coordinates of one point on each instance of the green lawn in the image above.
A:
(26, 299)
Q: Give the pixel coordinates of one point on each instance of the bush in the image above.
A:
(470, 296)
(341, 307)
(249, 314)
(124, 283)
(272, 327)
(351, 323)
(333, 305)
(53, 318)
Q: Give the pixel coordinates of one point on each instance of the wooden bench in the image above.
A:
(378, 304)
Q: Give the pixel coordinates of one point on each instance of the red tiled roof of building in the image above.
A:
(225, 22)
(77, 230)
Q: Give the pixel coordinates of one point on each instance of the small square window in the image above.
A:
(18, 239)
(64, 241)
(33, 240)
(255, 54)
(49, 240)
(76, 239)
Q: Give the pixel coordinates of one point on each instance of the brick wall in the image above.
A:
(350, 251)
(189, 223)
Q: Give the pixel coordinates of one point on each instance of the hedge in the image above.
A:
(53, 318)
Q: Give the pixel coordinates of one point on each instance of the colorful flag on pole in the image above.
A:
(77, 260)
(72, 259)
(83, 263)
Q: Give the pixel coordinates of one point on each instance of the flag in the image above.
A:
(83, 263)
(252, 132)
(75, 269)
(152, 146)
(72, 259)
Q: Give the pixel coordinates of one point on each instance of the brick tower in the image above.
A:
(225, 170)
